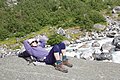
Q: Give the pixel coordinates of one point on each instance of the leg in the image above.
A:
(64, 57)
(54, 59)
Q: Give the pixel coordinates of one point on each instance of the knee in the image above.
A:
(62, 45)
(56, 48)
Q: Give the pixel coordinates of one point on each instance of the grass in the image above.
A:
(15, 40)
(10, 43)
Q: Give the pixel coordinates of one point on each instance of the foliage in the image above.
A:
(96, 17)
(55, 39)
(33, 15)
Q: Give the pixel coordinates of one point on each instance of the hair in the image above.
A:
(34, 41)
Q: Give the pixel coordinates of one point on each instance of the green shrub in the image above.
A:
(4, 33)
(31, 15)
(96, 17)
(55, 39)
(19, 34)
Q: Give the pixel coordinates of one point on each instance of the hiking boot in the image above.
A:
(66, 63)
(60, 67)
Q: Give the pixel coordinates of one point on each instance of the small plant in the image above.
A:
(55, 39)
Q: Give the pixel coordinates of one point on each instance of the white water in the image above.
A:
(88, 48)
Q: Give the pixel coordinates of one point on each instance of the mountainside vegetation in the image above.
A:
(33, 15)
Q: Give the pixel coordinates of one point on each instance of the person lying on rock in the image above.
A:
(56, 56)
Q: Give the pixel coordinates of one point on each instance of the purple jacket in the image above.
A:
(39, 52)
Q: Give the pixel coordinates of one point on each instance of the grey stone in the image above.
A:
(102, 56)
(99, 26)
(95, 44)
(116, 9)
(107, 47)
(116, 40)
(13, 68)
(61, 31)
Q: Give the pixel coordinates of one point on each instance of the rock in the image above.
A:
(14, 68)
(94, 35)
(66, 42)
(111, 34)
(97, 50)
(68, 36)
(41, 37)
(116, 40)
(78, 41)
(107, 47)
(116, 9)
(95, 44)
(117, 48)
(99, 26)
(11, 3)
(61, 31)
(102, 56)
(87, 54)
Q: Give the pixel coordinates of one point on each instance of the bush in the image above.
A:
(19, 34)
(96, 17)
(55, 39)
(84, 22)
(31, 15)
(4, 33)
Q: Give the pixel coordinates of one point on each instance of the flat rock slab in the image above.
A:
(15, 68)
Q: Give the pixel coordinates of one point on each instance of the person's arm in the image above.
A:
(27, 47)
(42, 43)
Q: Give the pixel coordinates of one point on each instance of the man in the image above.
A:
(56, 56)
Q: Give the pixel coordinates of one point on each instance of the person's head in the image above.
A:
(33, 42)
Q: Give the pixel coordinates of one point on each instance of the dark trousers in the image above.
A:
(50, 59)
